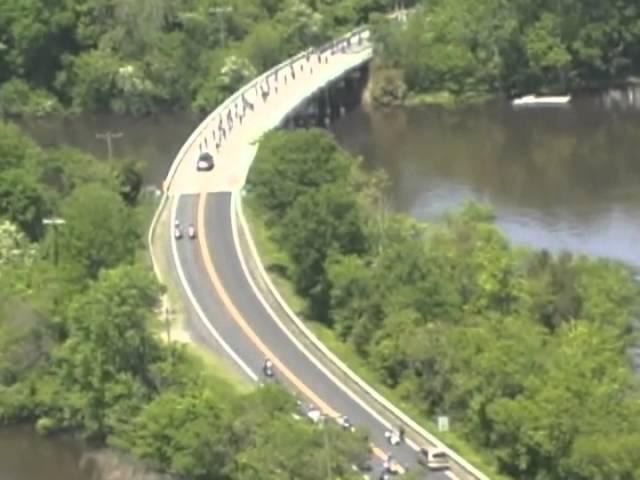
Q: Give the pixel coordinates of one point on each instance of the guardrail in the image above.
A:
(350, 374)
(361, 33)
(332, 45)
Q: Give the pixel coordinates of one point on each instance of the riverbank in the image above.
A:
(386, 89)
(174, 323)
(28, 455)
(560, 179)
(279, 267)
(433, 309)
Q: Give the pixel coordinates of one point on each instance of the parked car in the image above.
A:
(205, 162)
(433, 459)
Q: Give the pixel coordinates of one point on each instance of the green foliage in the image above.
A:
(139, 56)
(525, 351)
(22, 201)
(100, 230)
(319, 222)
(18, 98)
(470, 48)
(79, 344)
(16, 149)
(289, 164)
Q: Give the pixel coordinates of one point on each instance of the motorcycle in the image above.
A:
(267, 369)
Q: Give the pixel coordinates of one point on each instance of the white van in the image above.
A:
(433, 459)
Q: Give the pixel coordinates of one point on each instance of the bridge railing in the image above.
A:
(361, 34)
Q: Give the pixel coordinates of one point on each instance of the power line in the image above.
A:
(219, 12)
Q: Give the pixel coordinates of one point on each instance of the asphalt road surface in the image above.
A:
(224, 257)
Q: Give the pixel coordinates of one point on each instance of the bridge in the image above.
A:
(227, 289)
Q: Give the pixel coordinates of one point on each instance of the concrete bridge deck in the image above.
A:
(237, 151)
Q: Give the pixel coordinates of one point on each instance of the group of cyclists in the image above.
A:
(177, 230)
(393, 437)
(268, 367)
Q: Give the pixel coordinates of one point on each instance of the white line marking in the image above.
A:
(292, 338)
(194, 302)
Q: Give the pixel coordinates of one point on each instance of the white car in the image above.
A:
(191, 231)
(177, 232)
(433, 459)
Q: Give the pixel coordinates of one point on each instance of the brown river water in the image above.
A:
(559, 178)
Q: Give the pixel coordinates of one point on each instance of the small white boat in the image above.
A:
(534, 100)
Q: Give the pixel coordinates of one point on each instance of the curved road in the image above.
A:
(215, 275)
(211, 271)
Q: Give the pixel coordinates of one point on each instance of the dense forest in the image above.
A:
(471, 48)
(141, 56)
(524, 350)
(80, 344)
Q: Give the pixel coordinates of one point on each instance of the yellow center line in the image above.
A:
(248, 331)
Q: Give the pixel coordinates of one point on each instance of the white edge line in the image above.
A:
(292, 338)
(336, 361)
(179, 157)
(199, 130)
(196, 305)
(272, 314)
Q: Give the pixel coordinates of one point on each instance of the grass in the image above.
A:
(446, 99)
(213, 363)
(271, 255)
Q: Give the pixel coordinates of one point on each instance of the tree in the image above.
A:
(324, 220)
(15, 249)
(186, 434)
(89, 80)
(130, 180)
(25, 342)
(547, 52)
(17, 150)
(22, 201)
(302, 25)
(289, 164)
(264, 46)
(223, 80)
(101, 374)
(571, 399)
(66, 168)
(100, 231)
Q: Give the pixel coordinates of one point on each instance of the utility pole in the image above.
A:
(109, 136)
(219, 12)
(326, 447)
(167, 320)
(54, 223)
(381, 220)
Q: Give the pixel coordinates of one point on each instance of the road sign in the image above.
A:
(443, 423)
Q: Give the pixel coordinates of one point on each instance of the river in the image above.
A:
(154, 141)
(558, 178)
(27, 456)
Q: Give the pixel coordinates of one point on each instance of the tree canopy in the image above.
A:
(470, 48)
(80, 349)
(524, 350)
(140, 56)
